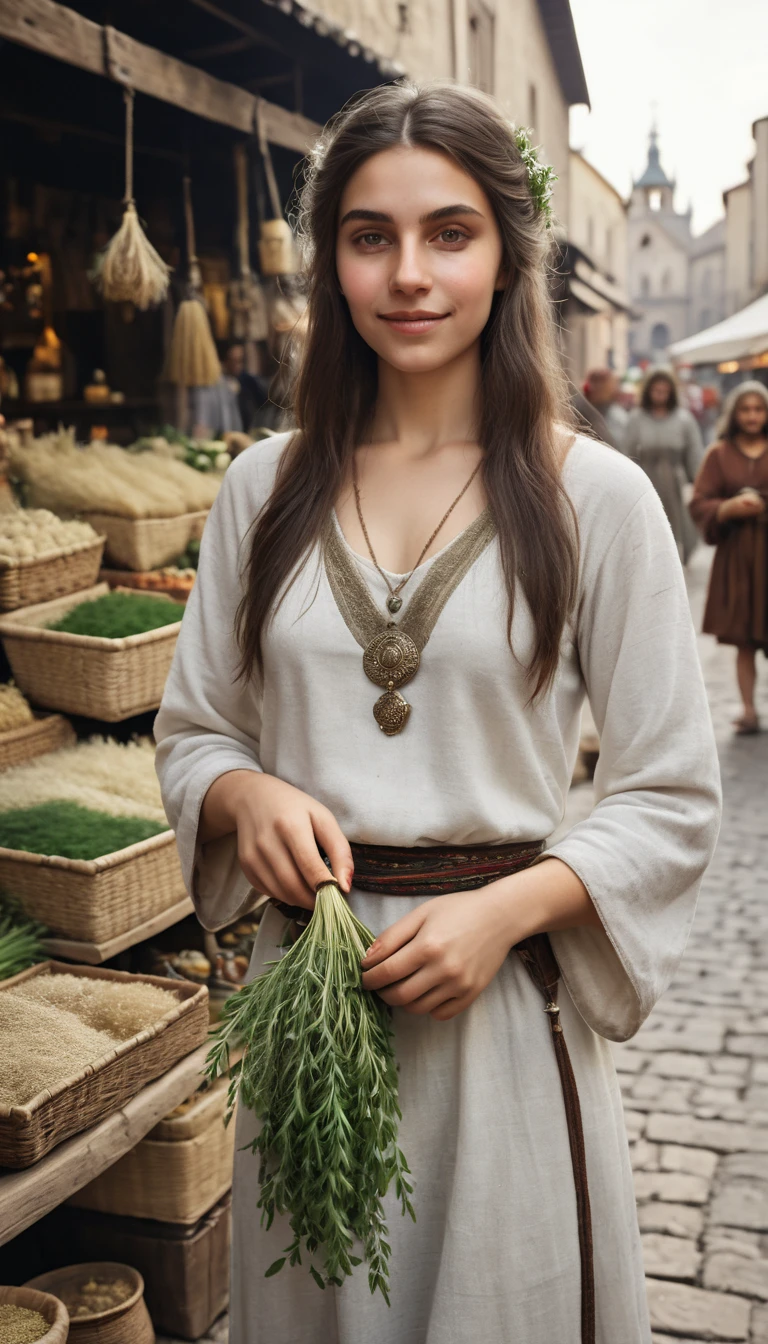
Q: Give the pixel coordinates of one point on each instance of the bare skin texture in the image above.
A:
(752, 441)
(418, 258)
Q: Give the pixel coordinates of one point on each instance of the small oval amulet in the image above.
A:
(391, 712)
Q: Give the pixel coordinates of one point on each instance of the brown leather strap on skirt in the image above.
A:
(434, 870)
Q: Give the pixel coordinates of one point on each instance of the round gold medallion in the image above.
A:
(391, 658)
(391, 712)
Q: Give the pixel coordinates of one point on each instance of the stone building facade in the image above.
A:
(746, 229)
(596, 323)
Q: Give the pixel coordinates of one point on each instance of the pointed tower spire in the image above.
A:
(654, 175)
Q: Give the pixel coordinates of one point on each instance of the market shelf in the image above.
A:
(93, 954)
(26, 1196)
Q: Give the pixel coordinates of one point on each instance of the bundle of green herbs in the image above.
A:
(117, 615)
(319, 1071)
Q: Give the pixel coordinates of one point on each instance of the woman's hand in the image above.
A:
(747, 504)
(278, 830)
(438, 958)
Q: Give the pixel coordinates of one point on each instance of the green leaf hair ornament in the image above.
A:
(541, 176)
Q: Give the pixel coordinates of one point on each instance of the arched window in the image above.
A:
(654, 200)
(645, 241)
(645, 286)
(659, 336)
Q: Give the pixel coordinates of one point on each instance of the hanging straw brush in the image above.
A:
(247, 301)
(131, 271)
(192, 357)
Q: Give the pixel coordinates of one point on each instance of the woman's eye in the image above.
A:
(371, 239)
(452, 236)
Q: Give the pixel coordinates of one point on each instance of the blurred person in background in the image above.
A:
(601, 390)
(249, 391)
(729, 504)
(664, 439)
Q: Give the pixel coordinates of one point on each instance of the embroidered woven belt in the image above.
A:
(435, 870)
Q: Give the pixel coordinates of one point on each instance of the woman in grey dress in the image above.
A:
(664, 439)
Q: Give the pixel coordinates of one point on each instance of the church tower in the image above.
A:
(659, 246)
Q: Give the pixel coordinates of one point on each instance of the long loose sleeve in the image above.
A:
(643, 850)
(693, 455)
(209, 721)
(709, 492)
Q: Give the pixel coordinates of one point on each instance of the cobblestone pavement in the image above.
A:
(695, 1078)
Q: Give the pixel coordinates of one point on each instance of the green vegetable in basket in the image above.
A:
(20, 944)
(72, 831)
(319, 1071)
(117, 615)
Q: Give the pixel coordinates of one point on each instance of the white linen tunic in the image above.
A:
(493, 1257)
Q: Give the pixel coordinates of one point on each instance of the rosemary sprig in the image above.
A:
(319, 1071)
(541, 176)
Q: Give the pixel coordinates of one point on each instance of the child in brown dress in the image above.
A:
(730, 505)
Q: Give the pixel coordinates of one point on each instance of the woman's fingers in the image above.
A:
(336, 846)
(395, 969)
(306, 855)
(404, 993)
(452, 1007)
(393, 938)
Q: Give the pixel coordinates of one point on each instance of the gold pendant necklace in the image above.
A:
(395, 601)
(392, 653)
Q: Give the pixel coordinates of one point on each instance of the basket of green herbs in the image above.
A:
(105, 655)
(319, 1071)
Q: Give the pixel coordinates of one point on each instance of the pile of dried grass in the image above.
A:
(113, 777)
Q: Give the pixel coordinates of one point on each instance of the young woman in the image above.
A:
(729, 504)
(664, 439)
(432, 497)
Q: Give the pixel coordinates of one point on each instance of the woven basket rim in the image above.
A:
(86, 514)
(29, 1297)
(187, 1003)
(24, 562)
(41, 720)
(92, 867)
(102, 1266)
(17, 624)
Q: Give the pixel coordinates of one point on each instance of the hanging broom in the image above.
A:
(192, 358)
(247, 301)
(131, 271)
(277, 249)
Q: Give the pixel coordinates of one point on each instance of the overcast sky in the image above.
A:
(702, 63)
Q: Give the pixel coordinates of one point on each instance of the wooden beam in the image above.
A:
(230, 48)
(48, 27)
(239, 25)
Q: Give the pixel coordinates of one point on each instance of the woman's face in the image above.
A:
(418, 257)
(660, 392)
(751, 414)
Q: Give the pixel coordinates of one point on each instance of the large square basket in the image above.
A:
(30, 1131)
(109, 679)
(95, 900)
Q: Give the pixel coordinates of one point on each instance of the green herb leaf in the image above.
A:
(275, 1267)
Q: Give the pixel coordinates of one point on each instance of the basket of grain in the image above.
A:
(24, 735)
(100, 678)
(105, 1302)
(178, 1172)
(146, 543)
(84, 841)
(80, 1042)
(27, 1315)
(43, 557)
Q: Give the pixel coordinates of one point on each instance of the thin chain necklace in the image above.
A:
(395, 601)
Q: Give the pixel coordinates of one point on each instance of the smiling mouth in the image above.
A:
(413, 323)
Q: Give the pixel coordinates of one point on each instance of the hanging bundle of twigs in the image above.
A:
(131, 270)
(192, 357)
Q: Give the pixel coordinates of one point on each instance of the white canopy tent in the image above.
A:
(740, 336)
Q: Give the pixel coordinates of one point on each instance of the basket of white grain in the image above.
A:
(85, 846)
(28, 1315)
(147, 504)
(80, 1041)
(43, 557)
(105, 655)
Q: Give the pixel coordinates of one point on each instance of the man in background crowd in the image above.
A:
(601, 390)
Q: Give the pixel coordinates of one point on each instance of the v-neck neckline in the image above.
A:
(392, 574)
(746, 456)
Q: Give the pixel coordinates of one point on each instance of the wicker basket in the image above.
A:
(50, 1308)
(30, 1131)
(49, 732)
(177, 1173)
(40, 579)
(185, 1269)
(128, 1323)
(107, 679)
(94, 900)
(146, 543)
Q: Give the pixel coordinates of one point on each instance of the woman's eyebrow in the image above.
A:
(380, 217)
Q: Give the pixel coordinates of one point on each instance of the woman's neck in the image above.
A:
(421, 412)
(752, 445)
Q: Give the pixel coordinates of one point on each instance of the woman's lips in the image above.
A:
(413, 324)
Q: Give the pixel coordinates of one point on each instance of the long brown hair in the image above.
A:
(523, 393)
(659, 376)
(728, 426)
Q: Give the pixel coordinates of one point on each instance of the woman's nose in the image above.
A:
(410, 274)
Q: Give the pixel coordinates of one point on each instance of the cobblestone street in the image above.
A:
(695, 1078)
